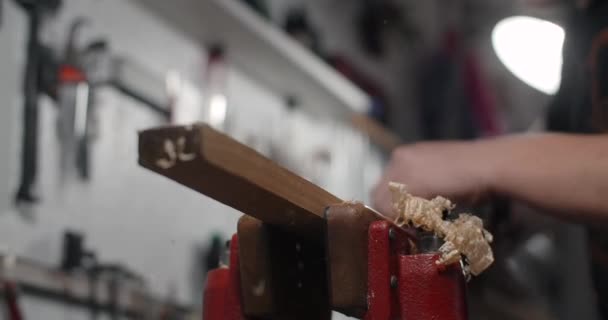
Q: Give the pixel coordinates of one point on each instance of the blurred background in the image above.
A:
(326, 88)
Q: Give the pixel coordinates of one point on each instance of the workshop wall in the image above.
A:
(127, 214)
(134, 217)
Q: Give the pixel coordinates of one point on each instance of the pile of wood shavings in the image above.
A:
(463, 236)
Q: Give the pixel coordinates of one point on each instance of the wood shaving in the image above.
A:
(464, 236)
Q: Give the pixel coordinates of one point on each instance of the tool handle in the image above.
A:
(29, 151)
(218, 166)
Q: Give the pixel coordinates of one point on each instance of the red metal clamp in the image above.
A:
(401, 285)
(221, 298)
(13, 311)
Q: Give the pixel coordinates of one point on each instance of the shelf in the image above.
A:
(271, 57)
(264, 52)
(104, 294)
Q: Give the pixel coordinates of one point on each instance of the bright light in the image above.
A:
(217, 110)
(531, 49)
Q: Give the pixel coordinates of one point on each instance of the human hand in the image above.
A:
(459, 171)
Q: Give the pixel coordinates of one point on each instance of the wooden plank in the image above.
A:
(214, 164)
(282, 276)
(347, 250)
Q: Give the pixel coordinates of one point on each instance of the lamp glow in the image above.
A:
(531, 49)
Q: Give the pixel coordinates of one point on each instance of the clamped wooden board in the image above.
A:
(301, 251)
(213, 164)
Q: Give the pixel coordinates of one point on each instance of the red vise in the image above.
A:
(401, 285)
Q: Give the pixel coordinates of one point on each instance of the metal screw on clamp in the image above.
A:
(393, 282)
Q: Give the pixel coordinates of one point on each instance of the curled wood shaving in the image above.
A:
(463, 236)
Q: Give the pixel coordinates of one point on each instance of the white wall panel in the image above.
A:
(130, 215)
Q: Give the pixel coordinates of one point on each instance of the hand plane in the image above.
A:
(299, 251)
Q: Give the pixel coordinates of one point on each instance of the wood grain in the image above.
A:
(282, 276)
(230, 172)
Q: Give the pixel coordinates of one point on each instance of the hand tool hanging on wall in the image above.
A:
(75, 256)
(36, 10)
(71, 81)
(75, 100)
(83, 70)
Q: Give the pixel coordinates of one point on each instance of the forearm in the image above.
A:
(564, 174)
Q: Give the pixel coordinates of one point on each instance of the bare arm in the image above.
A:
(566, 175)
